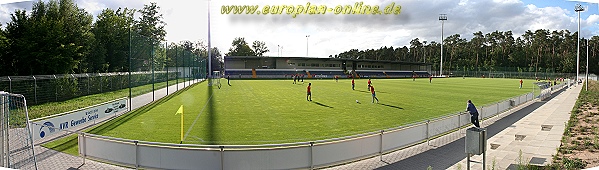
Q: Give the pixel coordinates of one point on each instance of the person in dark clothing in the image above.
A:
(473, 114)
(228, 78)
(294, 78)
(413, 76)
(309, 92)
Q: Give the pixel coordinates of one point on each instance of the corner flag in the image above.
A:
(181, 111)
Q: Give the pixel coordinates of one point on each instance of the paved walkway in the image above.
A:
(532, 140)
(51, 159)
(447, 152)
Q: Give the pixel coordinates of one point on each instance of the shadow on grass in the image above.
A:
(397, 107)
(211, 136)
(363, 91)
(71, 141)
(323, 105)
(370, 92)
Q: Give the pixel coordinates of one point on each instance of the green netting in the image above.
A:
(148, 63)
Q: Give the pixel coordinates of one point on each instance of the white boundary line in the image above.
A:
(197, 117)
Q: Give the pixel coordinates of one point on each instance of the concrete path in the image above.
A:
(447, 152)
(532, 140)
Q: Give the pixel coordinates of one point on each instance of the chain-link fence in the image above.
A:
(147, 65)
(507, 72)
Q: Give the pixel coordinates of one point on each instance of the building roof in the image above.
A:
(327, 59)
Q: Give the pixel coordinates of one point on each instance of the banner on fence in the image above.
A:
(71, 120)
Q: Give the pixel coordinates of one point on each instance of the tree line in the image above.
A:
(539, 51)
(58, 37)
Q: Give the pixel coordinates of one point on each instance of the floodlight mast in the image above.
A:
(578, 8)
(307, 36)
(442, 18)
(587, 75)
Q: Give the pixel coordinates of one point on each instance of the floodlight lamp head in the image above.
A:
(442, 17)
(578, 8)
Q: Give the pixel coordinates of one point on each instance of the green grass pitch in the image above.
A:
(276, 111)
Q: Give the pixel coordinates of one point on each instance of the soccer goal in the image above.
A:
(16, 149)
(496, 75)
(215, 80)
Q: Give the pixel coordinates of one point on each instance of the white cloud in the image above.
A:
(331, 34)
(592, 19)
(8, 7)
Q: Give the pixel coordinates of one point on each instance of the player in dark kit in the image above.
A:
(413, 76)
(353, 85)
(309, 94)
(430, 78)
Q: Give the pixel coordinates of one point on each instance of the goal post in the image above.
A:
(496, 75)
(215, 79)
(16, 148)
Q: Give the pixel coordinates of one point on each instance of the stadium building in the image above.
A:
(285, 67)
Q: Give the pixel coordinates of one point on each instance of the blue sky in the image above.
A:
(332, 34)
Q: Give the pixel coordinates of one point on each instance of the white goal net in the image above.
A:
(496, 75)
(16, 149)
(215, 79)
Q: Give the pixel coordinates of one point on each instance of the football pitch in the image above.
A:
(276, 111)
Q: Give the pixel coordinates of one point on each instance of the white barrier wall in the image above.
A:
(110, 150)
(152, 156)
(270, 158)
(281, 156)
(443, 125)
(50, 126)
(404, 137)
(337, 152)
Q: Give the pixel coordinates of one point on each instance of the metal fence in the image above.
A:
(143, 61)
(55, 88)
(507, 72)
(314, 154)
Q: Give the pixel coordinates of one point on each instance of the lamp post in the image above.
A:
(307, 36)
(578, 8)
(587, 73)
(442, 18)
(278, 50)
